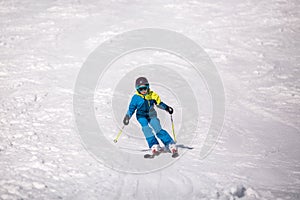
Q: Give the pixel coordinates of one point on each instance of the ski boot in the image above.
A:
(173, 150)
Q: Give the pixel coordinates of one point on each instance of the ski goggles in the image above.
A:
(143, 87)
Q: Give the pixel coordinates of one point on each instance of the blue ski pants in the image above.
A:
(160, 133)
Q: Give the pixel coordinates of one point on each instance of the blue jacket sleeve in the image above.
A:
(132, 107)
(162, 105)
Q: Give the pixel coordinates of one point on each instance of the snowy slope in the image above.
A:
(253, 44)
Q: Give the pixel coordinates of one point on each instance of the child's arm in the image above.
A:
(131, 110)
(161, 104)
(165, 107)
(132, 107)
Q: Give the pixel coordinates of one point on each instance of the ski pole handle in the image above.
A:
(173, 131)
(119, 134)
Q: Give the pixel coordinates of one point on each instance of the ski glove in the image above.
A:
(126, 120)
(169, 110)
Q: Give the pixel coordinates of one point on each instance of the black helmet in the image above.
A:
(141, 81)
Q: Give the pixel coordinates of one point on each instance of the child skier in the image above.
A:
(143, 101)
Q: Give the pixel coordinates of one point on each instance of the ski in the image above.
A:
(175, 154)
(149, 155)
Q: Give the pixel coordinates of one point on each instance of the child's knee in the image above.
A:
(156, 126)
(147, 131)
(157, 129)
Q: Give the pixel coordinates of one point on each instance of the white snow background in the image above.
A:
(254, 45)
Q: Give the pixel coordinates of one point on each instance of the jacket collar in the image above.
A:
(149, 93)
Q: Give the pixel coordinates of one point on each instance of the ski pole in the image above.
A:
(173, 129)
(119, 134)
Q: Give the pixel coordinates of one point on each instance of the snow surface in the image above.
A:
(255, 47)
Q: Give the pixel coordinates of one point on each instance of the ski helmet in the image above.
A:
(141, 81)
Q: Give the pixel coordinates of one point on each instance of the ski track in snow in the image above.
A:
(255, 46)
